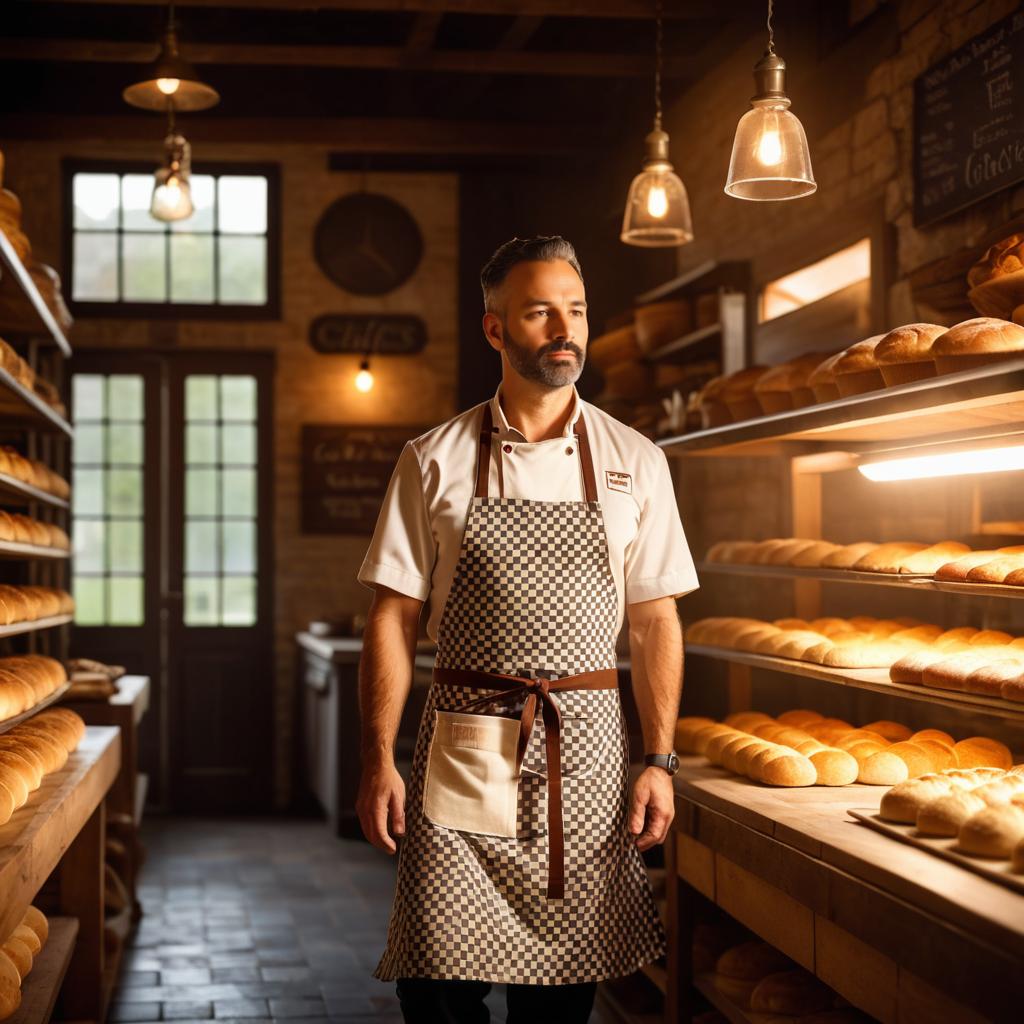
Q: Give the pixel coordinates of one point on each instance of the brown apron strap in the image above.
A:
(586, 460)
(483, 464)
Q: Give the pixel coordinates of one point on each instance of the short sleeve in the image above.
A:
(658, 560)
(402, 552)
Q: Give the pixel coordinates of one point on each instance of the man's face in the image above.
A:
(543, 329)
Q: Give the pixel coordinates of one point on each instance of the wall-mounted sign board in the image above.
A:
(345, 474)
(969, 122)
(389, 334)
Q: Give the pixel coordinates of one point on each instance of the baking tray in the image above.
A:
(992, 869)
(10, 723)
(813, 573)
(978, 589)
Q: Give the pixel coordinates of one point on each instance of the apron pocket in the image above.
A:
(471, 783)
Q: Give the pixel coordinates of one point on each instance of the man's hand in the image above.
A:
(381, 805)
(651, 808)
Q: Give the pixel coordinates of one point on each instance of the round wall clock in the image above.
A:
(367, 243)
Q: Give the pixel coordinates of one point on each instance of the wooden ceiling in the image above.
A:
(378, 76)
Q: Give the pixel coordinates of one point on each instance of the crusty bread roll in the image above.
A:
(7, 804)
(686, 728)
(956, 570)
(934, 734)
(977, 342)
(903, 802)
(857, 370)
(993, 831)
(951, 673)
(990, 679)
(982, 752)
(745, 720)
(927, 561)
(10, 986)
(883, 769)
(20, 955)
(790, 769)
(904, 354)
(996, 570)
(799, 717)
(776, 390)
(822, 380)
(943, 756)
(813, 555)
(834, 767)
(887, 557)
(848, 555)
(25, 934)
(794, 992)
(717, 743)
(918, 758)
(36, 920)
(894, 732)
(944, 815)
(859, 654)
(730, 752)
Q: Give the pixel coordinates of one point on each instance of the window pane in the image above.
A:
(125, 546)
(125, 492)
(125, 601)
(192, 268)
(87, 396)
(125, 443)
(125, 397)
(239, 601)
(95, 200)
(237, 398)
(242, 206)
(243, 270)
(201, 601)
(136, 196)
(201, 492)
(200, 443)
(88, 545)
(239, 443)
(89, 593)
(238, 543)
(239, 497)
(200, 547)
(201, 398)
(88, 446)
(144, 269)
(87, 492)
(202, 202)
(94, 278)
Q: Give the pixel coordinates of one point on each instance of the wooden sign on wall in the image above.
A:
(345, 474)
(390, 334)
(969, 122)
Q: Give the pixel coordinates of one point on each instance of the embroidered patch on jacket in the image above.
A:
(618, 481)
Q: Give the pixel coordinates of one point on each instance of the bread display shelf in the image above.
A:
(16, 492)
(25, 407)
(12, 549)
(995, 870)
(31, 625)
(40, 989)
(823, 575)
(38, 834)
(678, 350)
(732, 1011)
(9, 723)
(22, 308)
(985, 402)
(873, 679)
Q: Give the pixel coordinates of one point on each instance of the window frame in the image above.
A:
(271, 310)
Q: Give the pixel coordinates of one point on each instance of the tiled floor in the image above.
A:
(259, 921)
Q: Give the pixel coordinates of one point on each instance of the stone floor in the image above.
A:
(260, 921)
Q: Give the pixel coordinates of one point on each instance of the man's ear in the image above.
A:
(493, 331)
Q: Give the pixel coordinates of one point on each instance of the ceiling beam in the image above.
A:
(571, 65)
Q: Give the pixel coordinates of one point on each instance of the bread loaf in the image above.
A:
(883, 769)
(686, 729)
(977, 342)
(790, 992)
(993, 831)
(822, 381)
(887, 557)
(904, 802)
(738, 392)
(956, 570)
(894, 732)
(20, 955)
(857, 370)
(927, 561)
(777, 390)
(848, 555)
(996, 570)
(10, 986)
(990, 679)
(943, 815)
(904, 354)
(790, 769)
(982, 752)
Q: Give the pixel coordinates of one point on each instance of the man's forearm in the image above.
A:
(656, 650)
(385, 678)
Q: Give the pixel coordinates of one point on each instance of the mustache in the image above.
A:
(562, 346)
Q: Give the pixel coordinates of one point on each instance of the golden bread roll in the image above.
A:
(991, 638)
(951, 673)
(982, 752)
(14, 777)
(882, 769)
(992, 832)
(35, 919)
(812, 556)
(25, 934)
(977, 342)
(856, 370)
(953, 638)
(764, 549)
(904, 354)
(998, 791)
(944, 815)
(754, 639)
(744, 720)
(745, 756)
(891, 731)
(834, 767)
(956, 570)
(887, 557)
(996, 570)
(794, 644)
(791, 769)
(703, 736)
(752, 961)
(990, 679)
(717, 743)
(934, 734)
(919, 759)
(909, 669)
(927, 561)
(20, 955)
(942, 756)
(799, 717)
(731, 752)
(10, 986)
(859, 654)
(903, 802)
(794, 992)
(848, 555)
(53, 751)
(686, 729)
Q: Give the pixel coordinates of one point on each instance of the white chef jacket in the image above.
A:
(416, 542)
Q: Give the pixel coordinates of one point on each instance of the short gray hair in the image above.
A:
(546, 248)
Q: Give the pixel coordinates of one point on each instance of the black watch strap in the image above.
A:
(670, 762)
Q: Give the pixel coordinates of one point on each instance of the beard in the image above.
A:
(539, 366)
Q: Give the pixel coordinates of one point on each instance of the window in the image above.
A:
(221, 261)
(826, 277)
(220, 500)
(106, 496)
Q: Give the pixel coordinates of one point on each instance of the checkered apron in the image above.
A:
(532, 596)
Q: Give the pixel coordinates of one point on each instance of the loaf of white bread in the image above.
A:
(25, 530)
(27, 604)
(32, 749)
(26, 680)
(17, 955)
(32, 471)
(804, 748)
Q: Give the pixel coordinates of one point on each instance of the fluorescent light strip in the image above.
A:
(987, 460)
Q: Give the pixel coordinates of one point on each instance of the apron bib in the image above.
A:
(524, 894)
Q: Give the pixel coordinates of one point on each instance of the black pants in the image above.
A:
(429, 1001)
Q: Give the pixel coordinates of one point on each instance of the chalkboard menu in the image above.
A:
(969, 122)
(345, 474)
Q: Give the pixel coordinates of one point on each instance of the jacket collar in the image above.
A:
(505, 431)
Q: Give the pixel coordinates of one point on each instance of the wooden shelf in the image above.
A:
(11, 549)
(18, 404)
(733, 1012)
(981, 403)
(31, 625)
(132, 691)
(141, 789)
(874, 679)
(16, 492)
(40, 989)
(672, 352)
(10, 723)
(703, 277)
(38, 834)
(22, 308)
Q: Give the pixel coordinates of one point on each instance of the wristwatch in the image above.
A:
(670, 762)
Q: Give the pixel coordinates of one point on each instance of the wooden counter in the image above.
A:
(893, 929)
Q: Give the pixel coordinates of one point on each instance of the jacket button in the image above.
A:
(568, 451)
(506, 448)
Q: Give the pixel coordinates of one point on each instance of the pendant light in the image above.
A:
(172, 190)
(170, 77)
(657, 207)
(770, 159)
(364, 378)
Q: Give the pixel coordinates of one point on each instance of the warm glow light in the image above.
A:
(816, 280)
(769, 149)
(168, 86)
(657, 201)
(988, 460)
(172, 199)
(364, 379)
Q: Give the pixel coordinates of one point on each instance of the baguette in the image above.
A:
(887, 558)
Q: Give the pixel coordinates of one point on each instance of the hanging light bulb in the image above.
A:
(657, 207)
(770, 159)
(364, 379)
(172, 193)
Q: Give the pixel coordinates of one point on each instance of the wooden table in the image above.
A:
(898, 932)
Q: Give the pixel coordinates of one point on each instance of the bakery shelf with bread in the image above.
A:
(24, 292)
(39, 988)
(23, 405)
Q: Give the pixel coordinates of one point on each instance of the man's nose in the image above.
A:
(561, 327)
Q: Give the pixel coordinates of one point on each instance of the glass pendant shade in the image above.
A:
(657, 207)
(172, 193)
(770, 159)
(170, 79)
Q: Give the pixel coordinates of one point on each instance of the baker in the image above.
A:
(529, 525)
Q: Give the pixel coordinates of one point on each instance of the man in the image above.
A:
(528, 524)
